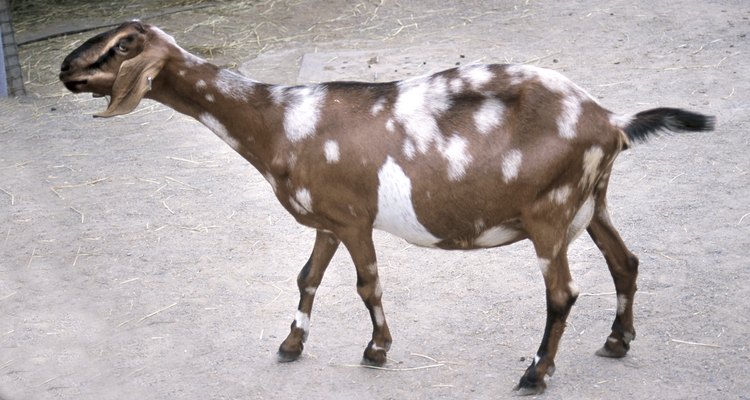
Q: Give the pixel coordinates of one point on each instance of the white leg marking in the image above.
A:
(496, 236)
(622, 303)
(219, 129)
(537, 359)
(544, 265)
(396, 212)
(377, 313)
(574, 289)
(457, 156)
(331, 149)
(302, 321)
(311, 290)
(489, 115)
(512, 164)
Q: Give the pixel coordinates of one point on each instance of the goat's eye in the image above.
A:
(122, 46)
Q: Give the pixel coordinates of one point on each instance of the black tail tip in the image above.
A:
(671, 119)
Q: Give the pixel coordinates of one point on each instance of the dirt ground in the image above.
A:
(140, 258)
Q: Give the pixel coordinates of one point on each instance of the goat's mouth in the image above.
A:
(75, 85)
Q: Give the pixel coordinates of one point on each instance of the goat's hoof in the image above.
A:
(613, 349)
(529, 388)
(288, 353)
(374, 356)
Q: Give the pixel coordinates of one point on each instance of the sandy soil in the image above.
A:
(140, 258)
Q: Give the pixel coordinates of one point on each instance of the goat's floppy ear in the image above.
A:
(133, 81)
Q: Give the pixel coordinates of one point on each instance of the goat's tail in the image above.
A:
(640, 126)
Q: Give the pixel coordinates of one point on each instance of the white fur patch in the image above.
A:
(302, 201)
(512, 164)
(581, 220)
(396, 213)
(543, 265)
(377, 313)
(591, 160)
(210, 97)
(572, 94)
(271, 180)
(302, 321)
(311, 290)
(219, 129)
(331, 150)
(457, 155)
(201, 85)
(477, 75)
(620, 121)
(489, 115)
(574, 289)
(390, 125)
(409, 150)
(233, 85)
(420, 101)
(495, 236)
(622, 303)
(456, 85)
(568, 118)
(378, 106)
(560, 195)
(303, 105)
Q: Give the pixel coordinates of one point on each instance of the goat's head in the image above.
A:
(120, 63)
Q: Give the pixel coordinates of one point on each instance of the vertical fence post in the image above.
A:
(11, 77)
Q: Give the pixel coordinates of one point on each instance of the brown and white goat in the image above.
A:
(472, 157)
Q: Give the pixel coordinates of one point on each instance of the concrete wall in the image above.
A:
(10, 67)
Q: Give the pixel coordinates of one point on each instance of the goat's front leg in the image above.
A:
(308, 281)
(561, 294)
(362, 250)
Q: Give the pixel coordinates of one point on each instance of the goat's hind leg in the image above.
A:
(360, 246)
(623, 266)
(308, 281)
(561, 293)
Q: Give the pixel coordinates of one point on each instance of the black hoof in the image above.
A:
(613, 349)
(375, 357)
(528, 388)
(288, 355)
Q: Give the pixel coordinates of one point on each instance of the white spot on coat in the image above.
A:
(331, 150)
(581, 220)
(390, 125)
(512, 164)
(303, 105)
(489, 115)
(560, 195)
(477, 75)
(271, 180)
(201, 84)
(210, 97)
(302, 201)
(234, 86)
(458, 157)
(409, 150)
(568, 118)
(311, 290)
(574, 289)
(456, 85)
(420, 101)
(378, 106)
(219, 129)
(591, 160)
(396, 213)
(495, 236)
(620, 121)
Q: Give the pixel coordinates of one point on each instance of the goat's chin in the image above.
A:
(97, 95)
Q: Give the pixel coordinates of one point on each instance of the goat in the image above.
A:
(473, 157)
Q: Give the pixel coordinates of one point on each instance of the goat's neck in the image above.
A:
(227, 103)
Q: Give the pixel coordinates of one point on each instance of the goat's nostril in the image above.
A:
(65, 67)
